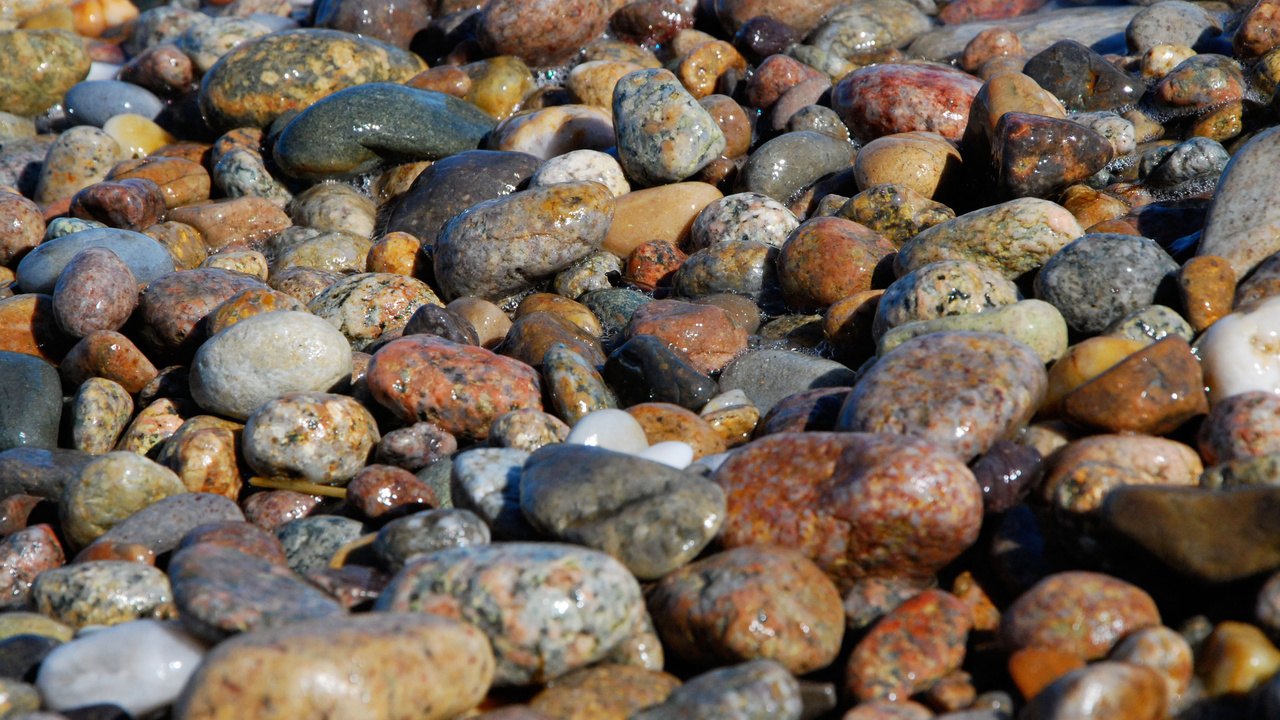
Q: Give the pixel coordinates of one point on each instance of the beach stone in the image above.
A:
(427, 532)
(1153, 391)
(361, 126)
(527, 430)
(110, 489)
(103, 592)
(22, 230)
(21, 162)
(30, 405)
(39, 67)
(613, 307)
(1162, 649)
(333, 251)
(1151, 324)
(544, 230)
(740, 268)
(246, 304)
(666, 212)
(130, 204)
(923, 161)
(262, 358)
(80, 157)
(664, 423)
(894, 210)
(154, 424)
(39, 269)
(1013, 237)
(852, 31)
(238, 535)
(99, 413)
(827, 476)
(610, 429)
(243, 89)
(707, 612)
(1081, 473)
(334, 206)
(323, 438)
(110, 355)
(608, 692)
(310, 542)
(1241, 227)
(1082, 79)
(150, 663)
(22, 654)
(434, 662)
(1035, 323)
(895, 98)
(94, 102)
(1084, 613)
(163, 69)
(753, 690)
(162, 525)
(1122, 689)
(415, 447)
(574, 385)
(815, 410)
(532, 335)
(96, 291)
(1081, 363)
(787, 164)
(645, 369)
(508, 591)
(1181, 23)
(827, 259)
(582, 165)
(183, 243)
(363, 306)
(1197, 162)
(234, 223)
(28, 325)
(461, 388)
(453, 185)
(272, 509)
(23, 556)
(1237, 657)
(704, 333)
(650, 155)
(1232, 344)
(435, 320)
(769, 376)
(1241, 427)
(743, 216)
(1199, 83)
(554, 131)
(941, 289)
(539, 33)
(486, 481)
(652, 518)
(220, 591)
(913, 646)
(1037, 156)
(993, 405)
(1207, 288)
(17, 622)
(1099, 278)
(653, 265)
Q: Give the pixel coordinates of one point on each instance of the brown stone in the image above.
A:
(664, 421)
(1207, 285)
(705, 333)
(827, 259)
(240, 222)
(665, 212)
(604, 692)
(1033, 669)
(29, 325)
(1153, 391)
(181, 181)
(184, 243)
(130, 204)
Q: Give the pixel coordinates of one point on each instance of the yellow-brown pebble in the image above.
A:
(397, 253)
(1207, 284)
(663, 421)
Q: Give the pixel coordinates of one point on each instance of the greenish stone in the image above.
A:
(30, 402)
(13, 624)
(1036, 323)
(355, 130)
(37, 67)
(664, 135)
(574, 385)
(1151, 324)
(614, 307)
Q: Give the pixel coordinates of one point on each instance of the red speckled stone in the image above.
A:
(243, 536)
(23, 555)
(964, 11)
(96, 291)
(1241, 426)
(891, 98)
(1084, 613)
(855, 503)
(827, 259)
(750, 603)
(461, 388)
(705, 333)
(379, 489)
(652, 264)
(269, 510)
(108, 354)
(172, 304)
(776, 75)
(911, 648)
(131, 204)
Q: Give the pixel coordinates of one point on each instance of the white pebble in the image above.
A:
(140, 666)
(1241, 352)
(709, 464)
(725, 400)
(583, 165)
(609, 429)
(672, 453)
(102, 71)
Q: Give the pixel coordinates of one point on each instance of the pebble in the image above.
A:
(1079, 612)
(365, 305)
(575, 387)
(785, 165)
(140, 666)
(1099, 278)
(1035, 323)
(427, 532)
(40, 66)
(586, 603)
(913, 646)
(651, 517)
(645, 369)
(108, 490)
(23, 556)
(1240, 226)
(942, 289)
(310, 542)
(666, 212)
(1234, 361)
(1016, 237)
(767, 377)
(486, 481)
(756, 690)
(705, 334)
(827, 259)
(527, 430)
(742, 216)
(95, 291)
(30, 406)
(897, 98)
(1082, 79)
(1118, 689)
(323, 438)
(682, 142)
(1153, 391)
(96, 101)
(162, 525)
(265, 357)
(147, 260)
(103, 592)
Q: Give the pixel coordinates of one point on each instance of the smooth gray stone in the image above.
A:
(1243, 225)
(38, 272)
(355, 130)
(94, 102)
(30, 402)
(39, 472)
(310, 542)
(768, 376)
(1172, 22)
(790, 162)
(162, 525)
(1101, 28)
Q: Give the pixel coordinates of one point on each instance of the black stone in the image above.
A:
(97, 712)
(1082, 79)
(644, 369)
(435, 320)
(21, 655)
(1006, 473)
(762, 36)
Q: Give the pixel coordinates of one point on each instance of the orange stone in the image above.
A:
(397, 253)
(1082, 363)
(243, 222)
(182, 181)
(665, 212)
(27, 325)
(1153, 392)
(126, 552)
(665, 421)
(1033, 669)
(1207, 285)
(108, 354)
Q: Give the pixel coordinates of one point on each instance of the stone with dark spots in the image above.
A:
(895, 98)
(532, 335)
(1038, 156)
(266, 77)
(911, 648)
(38, 67)
(645, 369)
(1152, 392)
(540, 32)
(172, 307)
(358, 129)
(1082, 79)
(435, 320)
(23, 556)
(663, 134)
(1098, 279)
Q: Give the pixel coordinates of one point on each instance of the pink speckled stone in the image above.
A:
(892, 98)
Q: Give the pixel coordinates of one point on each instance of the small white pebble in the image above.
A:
(672, 453)
(609, 429)
(102, 71)
(725, 400)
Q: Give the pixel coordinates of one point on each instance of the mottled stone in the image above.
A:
(1034, 323)
(606, 692)
(756, 690)
(704, 333)
(912, 647)
(1117, 689)
(645, 369)
(310, 542)
(39, 270)
(740, 268)
(103, 592)
(808, 491)
(532, 335)
(894, 210)
(1153, 391)
(161, 525)
(681, 138)
(95, 291)
(509, 591)
(1099, 278)
(365, 305)
(769, 376)
(1199, 83)
(894, 98)
(321, 437)
(948, 287)
(1242, 226)
(80, 157)
(109, 490)
(1083, 613)
(1013, 237)
(23, 556)
(427, 532)
(827, 259)
(1082, 79)
(39, 67)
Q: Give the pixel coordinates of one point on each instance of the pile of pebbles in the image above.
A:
(649, 360)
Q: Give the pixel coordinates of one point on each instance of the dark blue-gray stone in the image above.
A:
(310, 542)
(94, 102)
(644, 369)
(788, 163)
(162, 524)
(427, 532)
(1098, 279)
(39, 270)
(355, 130)
(768, 376)
(30, 402)
(38, 471)
(21, 655)
(663, 134)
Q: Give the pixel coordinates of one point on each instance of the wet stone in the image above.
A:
(645, 369)
(146, 259)
(95, 291)
(1082, 79)
(310, 542)
(381, 491)
(103, 592)
(531, 336)
(755, 690)
(913, 646)
(272, 509)
(1083, 613)
(785, 165)
(487, 481)
(896, 98)
(30, 405)
(769, 376)
(23, 556)
(427, 532)
(527, 430)
(109, 490)
(162, 525)
(237, 535)
(575, 386)
(415, 447)
(648, 156)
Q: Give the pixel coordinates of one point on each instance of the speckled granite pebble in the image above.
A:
(1100, 278)
(679, 141)
(103, 592)
(757, 690)
(321, 437)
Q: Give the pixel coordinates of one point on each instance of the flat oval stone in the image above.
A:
(710, 612)
(95, 291)
(645, 369)
(103, 592)
(963, 391)
(894, 98)
(540, 232)
(575, 387)
(651, 517)
(461, 388)
(742, 216)
(96, 101)
(109, 490)
(1100, 278)
(147, 259)
(30, 408)
(453, 185)
(1083, 613)
(1126, 690)
(1015, 237)
(310, 542)
(162, 525)
(150, 663)
(768, 377)
(547, 609)
(391, 665)
(245, 88)
(1035, 323)
(856, 504)
(685, 139)
(265, 357)
(540, 33)
(220, 591)
(323, 438)
(783, 166)
(356, 129)
(705, 334)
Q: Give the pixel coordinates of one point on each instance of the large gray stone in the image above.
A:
(768, 376)
(38, 272)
